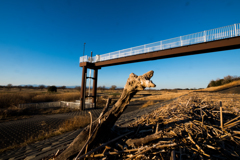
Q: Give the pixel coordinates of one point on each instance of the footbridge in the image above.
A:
(218, 39)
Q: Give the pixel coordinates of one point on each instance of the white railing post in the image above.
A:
(119, 53)
(235, 27)
(161, 45)
(144, 48)
(204, 36)
(181, 40)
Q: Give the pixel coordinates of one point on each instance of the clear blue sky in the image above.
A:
(41, 40)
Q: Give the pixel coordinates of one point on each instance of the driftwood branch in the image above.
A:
(141, 141)
(107, 120)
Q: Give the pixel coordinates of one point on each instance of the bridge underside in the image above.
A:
(212, 46)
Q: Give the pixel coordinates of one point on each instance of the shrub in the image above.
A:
(219, 82)
(52, 89)
(225, 80)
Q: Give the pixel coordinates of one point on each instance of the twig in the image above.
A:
(144, 131)
(212, 147)
(221, 115)
(154, 146)
(56, 153)
(236, 132)
(157, 128)
(190, 138)
(188, 101)
(105, 109)
(103, 145)
(143, 140)
(113, 153)
(89, 129)
(223, 111)
(232, 124)
(232, 120)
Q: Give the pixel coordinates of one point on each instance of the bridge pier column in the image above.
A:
(94, 91)
(82, 97)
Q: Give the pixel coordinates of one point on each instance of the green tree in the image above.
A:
(9, 86)
(211, 84)
(113, 87)
(52, 89)
(41, 87)
(219, 82)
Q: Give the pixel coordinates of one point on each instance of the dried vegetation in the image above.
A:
(162, 95)
(13, 99)
(194, 126)
(148, 103)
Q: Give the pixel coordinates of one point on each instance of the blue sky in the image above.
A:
(41, 40)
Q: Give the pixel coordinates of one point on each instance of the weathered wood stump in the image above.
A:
(102, 126)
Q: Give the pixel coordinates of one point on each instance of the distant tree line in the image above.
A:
(225, 80)
(113, 87)
(20, 87)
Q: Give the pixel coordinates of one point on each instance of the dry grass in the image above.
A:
(34, 90)
(48, 97)
(163, 95)
(13, 99)
(68, 125)
(74, 123)
(219, 88)
(148, 103)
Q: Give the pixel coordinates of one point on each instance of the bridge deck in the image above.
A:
(212, 46)
(202, 42)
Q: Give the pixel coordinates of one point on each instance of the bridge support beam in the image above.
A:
(83, 87)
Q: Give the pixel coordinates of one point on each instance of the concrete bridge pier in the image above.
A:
(85, 66)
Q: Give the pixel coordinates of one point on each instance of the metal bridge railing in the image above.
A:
(200, 37)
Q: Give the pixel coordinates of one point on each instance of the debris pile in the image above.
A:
(188, 128)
